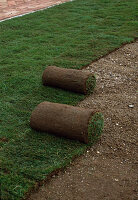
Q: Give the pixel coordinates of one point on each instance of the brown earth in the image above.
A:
(107, 171)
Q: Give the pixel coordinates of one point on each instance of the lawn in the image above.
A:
(70, 35)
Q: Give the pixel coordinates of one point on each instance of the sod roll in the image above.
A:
(67, 121)
(69, 79)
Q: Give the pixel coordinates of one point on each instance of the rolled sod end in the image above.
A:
(69, 79)
(90, 84)
(95, 127)
(71, 122)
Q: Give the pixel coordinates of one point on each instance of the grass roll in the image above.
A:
(69, 79)
(67, 121)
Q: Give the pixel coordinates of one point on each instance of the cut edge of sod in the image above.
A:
(95, 127)
(90, 84)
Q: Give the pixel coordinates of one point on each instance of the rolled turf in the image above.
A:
(69, 79)
(67, 121)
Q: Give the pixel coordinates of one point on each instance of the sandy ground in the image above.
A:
(107, 171)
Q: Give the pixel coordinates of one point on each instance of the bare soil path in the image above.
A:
(108, 171)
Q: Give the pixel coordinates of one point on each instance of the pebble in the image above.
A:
(131, 106)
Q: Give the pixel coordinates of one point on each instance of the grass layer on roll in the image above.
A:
(90, 84)
(95, 127)
(70, 35)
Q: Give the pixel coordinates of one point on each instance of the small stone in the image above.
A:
(131, 106)
(116, 179)
(98, 152)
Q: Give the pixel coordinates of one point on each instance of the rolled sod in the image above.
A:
(67, 121)
(69, 79)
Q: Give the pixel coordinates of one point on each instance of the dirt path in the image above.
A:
(108, 171)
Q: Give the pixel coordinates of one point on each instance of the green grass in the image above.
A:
(90, 84)
(70, 35)
(95, 127)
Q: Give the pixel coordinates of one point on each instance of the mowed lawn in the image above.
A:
(70, 35)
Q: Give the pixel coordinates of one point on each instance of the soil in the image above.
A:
(107, 171)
